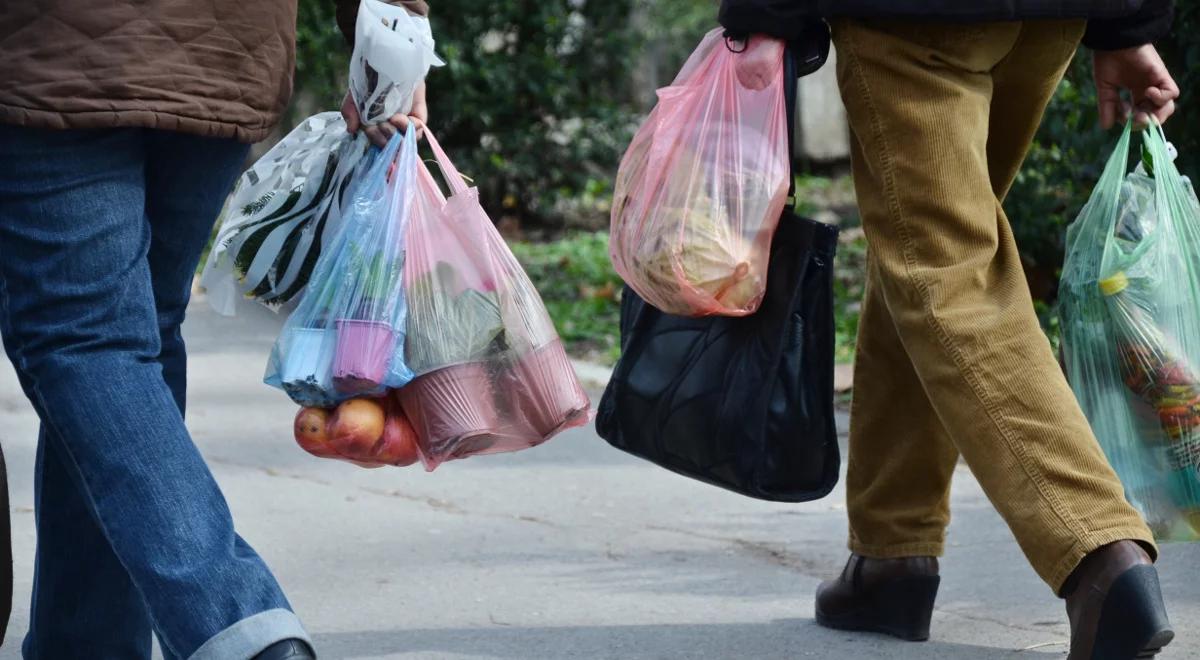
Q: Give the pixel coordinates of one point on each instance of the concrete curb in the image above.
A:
(843, 378)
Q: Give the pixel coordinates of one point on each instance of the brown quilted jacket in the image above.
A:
(219, 68)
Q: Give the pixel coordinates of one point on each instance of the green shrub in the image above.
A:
(536, 102)
(322, 61)
(531, 102)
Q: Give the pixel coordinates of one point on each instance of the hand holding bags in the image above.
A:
(288, 205)
(393, 51)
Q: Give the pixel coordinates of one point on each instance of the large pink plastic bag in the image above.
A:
(345, 338)
(491, 371)
(701, 187)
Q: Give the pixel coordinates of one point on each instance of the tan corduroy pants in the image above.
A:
(951, 359)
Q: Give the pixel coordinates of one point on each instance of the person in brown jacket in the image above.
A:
(123, 126)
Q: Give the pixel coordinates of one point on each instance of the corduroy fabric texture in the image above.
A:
(951, 359)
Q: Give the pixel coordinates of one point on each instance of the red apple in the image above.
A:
(311, 429)
(356, 429)
(399, 444)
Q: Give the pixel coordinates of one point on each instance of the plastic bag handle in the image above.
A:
(399, 148)
(427, 183)
(1168, 182)
(454, 179)
(1111, 181)
(1156, 140)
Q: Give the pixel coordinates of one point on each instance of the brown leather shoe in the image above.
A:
(1115, 606)
(890, 596)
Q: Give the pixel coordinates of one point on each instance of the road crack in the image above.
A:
(437, 504)
(769, 552)
(1005, 624)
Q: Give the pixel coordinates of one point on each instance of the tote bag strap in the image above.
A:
(803, 54)
(790, 83)
(6, 567)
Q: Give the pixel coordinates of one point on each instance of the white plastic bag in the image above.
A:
(393, 51)
(283, 211)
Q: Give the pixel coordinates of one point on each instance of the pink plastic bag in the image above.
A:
(492, 373)
(700, 190)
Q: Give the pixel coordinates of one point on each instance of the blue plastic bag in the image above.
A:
(346, 337)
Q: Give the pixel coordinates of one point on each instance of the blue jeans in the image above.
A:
(100, 232)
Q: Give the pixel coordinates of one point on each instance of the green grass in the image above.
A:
(849, 279)
(582, 292)
(829, 195)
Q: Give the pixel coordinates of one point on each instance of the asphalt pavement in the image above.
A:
(569, 550)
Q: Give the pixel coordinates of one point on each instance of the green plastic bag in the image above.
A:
(1130, 308)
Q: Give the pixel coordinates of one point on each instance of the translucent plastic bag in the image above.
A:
(283, 210)
(393, 51)
(346, 337)
(700, 190)
(492, 374)
(1130, 307)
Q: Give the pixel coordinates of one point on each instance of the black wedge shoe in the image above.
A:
(890, 596)
(1115, 606)
(288, 649)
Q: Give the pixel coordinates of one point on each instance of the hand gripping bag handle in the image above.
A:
(454, 179)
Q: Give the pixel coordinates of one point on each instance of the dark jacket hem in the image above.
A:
(1151, 23)
(165, 121)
